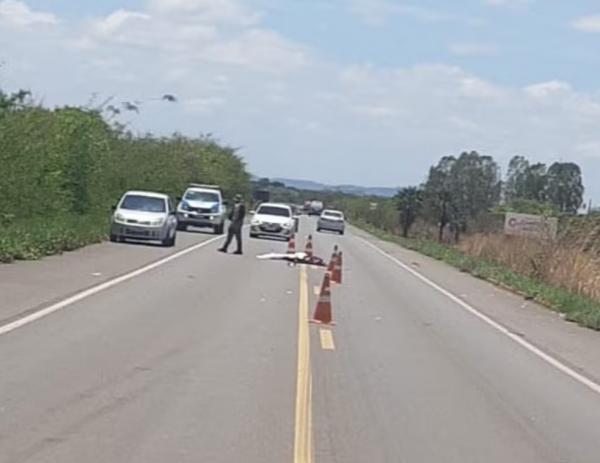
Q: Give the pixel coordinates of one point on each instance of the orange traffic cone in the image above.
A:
(333, 260)
(292, 245)
(309, 247)
(322, 313)
(336, 276)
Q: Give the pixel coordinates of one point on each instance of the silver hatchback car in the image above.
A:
(332, 221)
(143, 215)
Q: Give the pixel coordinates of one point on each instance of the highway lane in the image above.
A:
(26, 286)
(194, 361)
(197, 360)
(416, 378)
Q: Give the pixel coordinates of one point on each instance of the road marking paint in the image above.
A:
(326, 339)
(19, 323)
(303, 425)
(595, 387)
(317, 290)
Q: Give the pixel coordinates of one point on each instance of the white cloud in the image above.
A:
(206, 11)
(473, 49)
(587, 24)
(118, 21)
(377, 12)
(513, 4)
(17, 13)
(589, 149)
(546, 89)
(259, 50)
(187, 33)
(375, 111)
(204, 104)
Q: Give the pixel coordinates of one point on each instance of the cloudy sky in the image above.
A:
(370, 92)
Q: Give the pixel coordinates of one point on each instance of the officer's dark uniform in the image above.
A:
(236, 216)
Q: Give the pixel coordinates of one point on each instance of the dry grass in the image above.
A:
(571, 264)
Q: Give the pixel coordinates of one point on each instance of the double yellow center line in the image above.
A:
(303, 435)
(303, 424)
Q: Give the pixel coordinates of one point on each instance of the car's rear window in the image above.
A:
(144, 203)
(274, 210)
(335, 215)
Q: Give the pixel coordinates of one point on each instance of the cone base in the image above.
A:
(312, 321)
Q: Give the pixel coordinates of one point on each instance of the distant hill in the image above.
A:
(348, 189)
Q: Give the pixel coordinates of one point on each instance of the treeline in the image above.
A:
(462, 191)
(62, 169)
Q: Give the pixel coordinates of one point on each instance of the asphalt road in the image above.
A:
(209, 358)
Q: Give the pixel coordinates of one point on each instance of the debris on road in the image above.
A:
(295, 258)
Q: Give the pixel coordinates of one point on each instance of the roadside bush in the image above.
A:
(61, 171)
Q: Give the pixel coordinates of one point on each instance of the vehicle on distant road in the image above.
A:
(261, 196)
(144, 215)
(273, 219)
(316, 208)
(332, 220)
(202, 206)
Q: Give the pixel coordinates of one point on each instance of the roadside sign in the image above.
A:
(530, 226)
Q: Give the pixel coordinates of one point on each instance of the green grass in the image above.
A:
(38, 237)
(577, 308)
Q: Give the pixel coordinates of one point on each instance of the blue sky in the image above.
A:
(341, 91)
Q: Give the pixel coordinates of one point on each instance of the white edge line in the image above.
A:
(4, 329)
(527, 345)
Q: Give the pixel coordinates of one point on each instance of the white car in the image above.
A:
(202, 206)
(144, 215)
(273, 219)
(332, 221)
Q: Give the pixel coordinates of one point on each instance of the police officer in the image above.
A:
(236, 216)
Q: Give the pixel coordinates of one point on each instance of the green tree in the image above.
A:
(536, 181)
(516, 178)
(565, 187)
(409, 201)
(459, 190)
(525, 181)
(437, 194)
(475, 185)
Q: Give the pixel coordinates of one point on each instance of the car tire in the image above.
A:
(114, 238)
(219, 229)
(182, 226)
(253, 235)
(169, 241)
